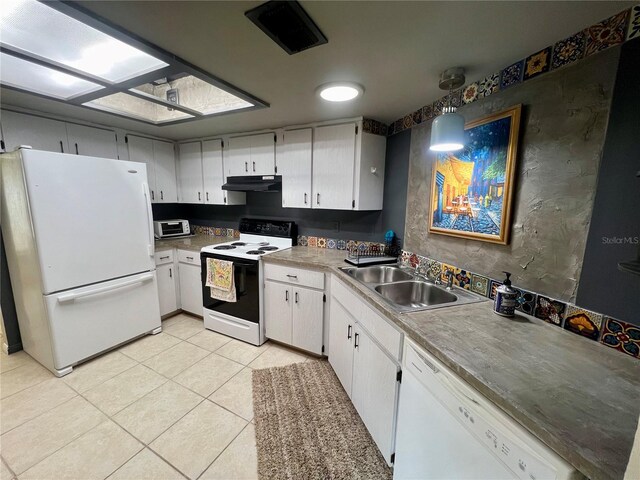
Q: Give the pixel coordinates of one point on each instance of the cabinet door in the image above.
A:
(334, 150)
(308, 315)
(213, 172)
(141, 150)
(238, 161)
(341, 329)
(277, 311)
(190, 172)
(167, 288)
(165, 164)
(263, 154)
(295, 168)
(95, 142)
(190, 288)
(37, 132)
(374, 390)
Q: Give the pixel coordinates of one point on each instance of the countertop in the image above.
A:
(578, 397)
(193, 243)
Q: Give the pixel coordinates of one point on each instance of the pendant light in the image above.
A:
(447, 129)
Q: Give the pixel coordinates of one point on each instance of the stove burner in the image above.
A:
(255, 252)
(224, 247)
(268, 249)
(239, 244)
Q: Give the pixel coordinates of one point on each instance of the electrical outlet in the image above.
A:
(172, 97)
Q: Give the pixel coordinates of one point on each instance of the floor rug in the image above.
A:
(307, 428)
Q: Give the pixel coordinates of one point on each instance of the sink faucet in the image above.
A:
(449, 275)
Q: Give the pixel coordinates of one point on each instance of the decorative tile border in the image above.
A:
(608, 331)
(612, 31)
(215, 231)
(374, 126)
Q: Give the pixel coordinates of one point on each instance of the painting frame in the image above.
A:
(502, 238)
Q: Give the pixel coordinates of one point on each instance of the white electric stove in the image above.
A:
(243, 319)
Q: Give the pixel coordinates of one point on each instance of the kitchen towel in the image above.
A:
(220, 280)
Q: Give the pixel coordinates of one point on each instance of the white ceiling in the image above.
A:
(395, 49)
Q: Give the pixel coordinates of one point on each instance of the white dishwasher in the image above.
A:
(447, 430)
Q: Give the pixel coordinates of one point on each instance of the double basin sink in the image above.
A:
(406, 292)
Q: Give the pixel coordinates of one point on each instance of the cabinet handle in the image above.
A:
(189, 258)
(292, 276)
(355, 341)
(254, 166)
(296, 295)
(77, 149)
(199, 196)
(162, 258)
(305, 198)
(286, 295)
(207, 194)
(349, 333)
(170, 273)
(153, 197)
(317, 199)
(61, 147)
(225, 199)
(161, 195)
(246, 166)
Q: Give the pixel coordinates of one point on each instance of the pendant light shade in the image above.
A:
(447, 130)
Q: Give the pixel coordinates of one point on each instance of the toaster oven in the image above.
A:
(171, 228)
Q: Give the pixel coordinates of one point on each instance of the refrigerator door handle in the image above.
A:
(70, 297)
(145, 190)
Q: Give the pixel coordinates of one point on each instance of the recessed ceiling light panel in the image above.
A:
(340, 91)
(18, 73)
(37, 29)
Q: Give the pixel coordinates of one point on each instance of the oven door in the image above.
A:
(246, 274)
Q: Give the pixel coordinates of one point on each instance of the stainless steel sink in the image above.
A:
(406, 292)
(415, 294)
(379, 274)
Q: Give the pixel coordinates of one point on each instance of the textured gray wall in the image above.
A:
(563, 126)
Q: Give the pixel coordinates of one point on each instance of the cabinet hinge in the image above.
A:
(275, 138)
(353, 204)
(2, 144)
(393, 458)
(116, 138)
(324, 299)
(222, 144)
(356, 129)
(322, 349)
(276, 168)
(399, 376)
(126, 139)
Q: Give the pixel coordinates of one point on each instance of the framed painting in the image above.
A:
(472, 189)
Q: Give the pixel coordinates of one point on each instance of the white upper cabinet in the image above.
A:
(190, 178)
(141, 150)
(164, 159)
(294, 164)
(334, 152)
(251, 155)
(37, 132)
(95, 142)
(214, 177)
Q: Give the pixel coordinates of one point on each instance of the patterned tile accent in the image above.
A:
(470, 93)
(489, 85)
(568, 50)
(303, 240)
(549, 310)
(435, 268)
(408, 122)
(423, 266)
(375, 127)
(417, 116)
(634, 23)
(537, 64)
(583, 322)
(438, 105)
(622, 336)
(236, 234)
(331, 243)
(341, 244)
(493, 285)
(427, 113)
(322, 242)
(480, 284)
(607, 33)
(312, 241)
(230, 232)
(525, 301)
(404, 258)
(512, 75)
(413, 260)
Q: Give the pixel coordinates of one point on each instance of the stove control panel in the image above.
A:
(269, 228)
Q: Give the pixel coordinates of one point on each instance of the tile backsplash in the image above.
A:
(601, 328)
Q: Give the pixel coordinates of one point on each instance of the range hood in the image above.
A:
(255, 183)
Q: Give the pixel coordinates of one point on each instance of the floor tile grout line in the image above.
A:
(104, 381)
(223, 450)
(6, 464)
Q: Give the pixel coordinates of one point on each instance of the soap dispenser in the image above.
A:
(505, 301)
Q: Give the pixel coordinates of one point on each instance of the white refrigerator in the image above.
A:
(78, 233)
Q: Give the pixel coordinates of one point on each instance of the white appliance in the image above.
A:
(447, 430)
(78, 234)
(244, 318)
(171, 228)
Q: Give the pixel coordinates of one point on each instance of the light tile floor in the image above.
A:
(169, 406)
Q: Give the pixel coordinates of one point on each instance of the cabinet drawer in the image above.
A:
(295, 276)
(187, 256)
(163, 256)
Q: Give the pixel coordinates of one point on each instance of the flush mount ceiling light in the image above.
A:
(60, 50)
(340, 91)
(447, 129)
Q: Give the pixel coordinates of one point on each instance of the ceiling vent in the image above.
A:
(288, 25)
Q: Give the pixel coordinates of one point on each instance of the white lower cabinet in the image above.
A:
(190, 281)
(367, 369)
(294, 308)
(167, 288)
